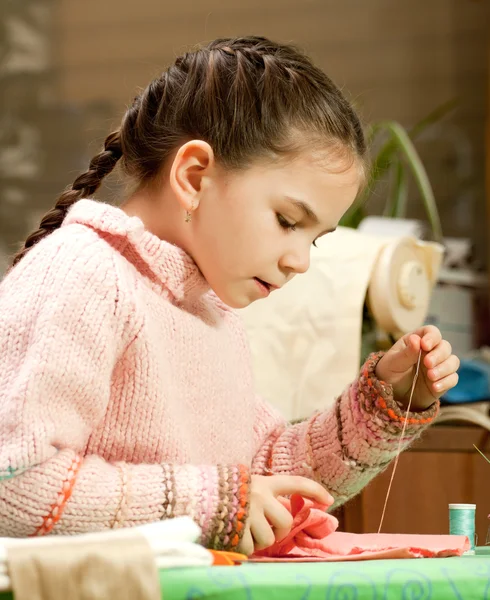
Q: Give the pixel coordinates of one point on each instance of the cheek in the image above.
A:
(218, 243)
(235, 228)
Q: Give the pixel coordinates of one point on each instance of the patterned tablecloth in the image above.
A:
(466, 578)
(419, 579)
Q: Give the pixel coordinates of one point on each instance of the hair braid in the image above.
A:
(84, 186)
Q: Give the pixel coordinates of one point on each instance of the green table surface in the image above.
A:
(465, 578)
(462, 578)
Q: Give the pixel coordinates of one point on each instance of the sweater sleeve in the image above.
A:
(63, 326)
(344, 447)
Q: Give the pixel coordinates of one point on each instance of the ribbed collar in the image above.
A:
(170, 264)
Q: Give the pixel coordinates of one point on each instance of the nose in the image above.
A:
(297, 261)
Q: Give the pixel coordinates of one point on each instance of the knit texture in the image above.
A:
(127, 396)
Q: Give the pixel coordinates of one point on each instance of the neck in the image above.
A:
(160, 214)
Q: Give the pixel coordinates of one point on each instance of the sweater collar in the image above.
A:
(171, 265)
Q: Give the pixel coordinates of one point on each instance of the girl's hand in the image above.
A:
(269, 521)
(437, 372)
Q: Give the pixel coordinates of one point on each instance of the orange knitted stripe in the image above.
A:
(54, 515)
(243, 486)
(243, 495)
(395, 417)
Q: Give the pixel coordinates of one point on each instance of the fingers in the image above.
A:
(444, 368)
(279, 518)
(247, 544)
(430, 337)
(413, 346)
(402, 357)
(440, 353)
(438, 362)
(285, 485)
(442, 371)
(268, 519)
(445, 384)
(262, 533)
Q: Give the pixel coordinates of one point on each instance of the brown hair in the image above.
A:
(246, 97)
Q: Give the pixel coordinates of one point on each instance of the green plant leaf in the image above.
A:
(354, 219)
(355, 214)
(433, 117)
(385, 158)
(401, 138)
(385, 155)
(396, 206)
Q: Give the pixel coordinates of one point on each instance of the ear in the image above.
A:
(191, 165)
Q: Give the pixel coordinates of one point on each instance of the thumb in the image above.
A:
(285, 485)
(246, 545)
(406, 357)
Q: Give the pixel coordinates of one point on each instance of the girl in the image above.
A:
(126, 392)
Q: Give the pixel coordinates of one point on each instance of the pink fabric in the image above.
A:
(127, 396)
(314, 537)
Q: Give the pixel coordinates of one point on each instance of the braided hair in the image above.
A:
(248, 97)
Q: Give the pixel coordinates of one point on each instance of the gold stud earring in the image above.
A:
(188, 216)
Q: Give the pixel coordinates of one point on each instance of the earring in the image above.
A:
(188, 216)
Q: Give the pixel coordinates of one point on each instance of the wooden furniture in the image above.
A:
(441, 468)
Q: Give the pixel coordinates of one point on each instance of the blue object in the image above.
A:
(473, 384)
(462, 522)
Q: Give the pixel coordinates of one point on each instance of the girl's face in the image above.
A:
(251, 232)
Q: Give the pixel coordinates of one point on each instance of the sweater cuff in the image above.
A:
(228, 525)
(376, 396)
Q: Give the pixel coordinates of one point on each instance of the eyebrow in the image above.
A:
(308, 212)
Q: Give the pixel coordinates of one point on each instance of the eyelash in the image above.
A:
(285, 224)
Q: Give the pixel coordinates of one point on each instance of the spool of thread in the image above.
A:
(462, 522)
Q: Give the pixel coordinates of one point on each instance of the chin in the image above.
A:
(234, 300)
(236, 303)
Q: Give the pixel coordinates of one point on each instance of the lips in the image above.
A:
(270, 286)
(267, 285)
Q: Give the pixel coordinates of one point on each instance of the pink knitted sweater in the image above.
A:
(126, 394)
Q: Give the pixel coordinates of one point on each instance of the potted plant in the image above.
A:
(395, 161)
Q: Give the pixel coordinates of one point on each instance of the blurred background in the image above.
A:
(68, 68)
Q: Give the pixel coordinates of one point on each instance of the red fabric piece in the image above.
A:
(313, 537)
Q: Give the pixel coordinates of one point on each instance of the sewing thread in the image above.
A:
(462, 522)
(401, 441)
